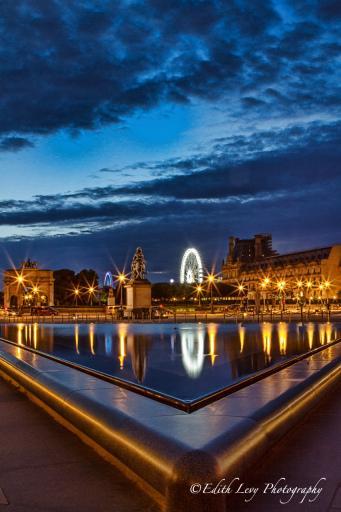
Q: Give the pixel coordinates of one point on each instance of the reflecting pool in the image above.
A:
(184, 361)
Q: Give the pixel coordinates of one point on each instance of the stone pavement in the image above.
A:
(305, 454)
(46, 468)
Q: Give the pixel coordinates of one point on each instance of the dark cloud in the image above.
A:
(92, 63)
(14, 144)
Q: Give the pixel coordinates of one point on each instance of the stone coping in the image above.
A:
(169, 449)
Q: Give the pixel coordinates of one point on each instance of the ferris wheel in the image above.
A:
(191, 270)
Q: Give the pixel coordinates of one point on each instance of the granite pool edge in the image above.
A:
(167, 465)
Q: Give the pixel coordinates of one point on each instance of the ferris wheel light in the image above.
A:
(191, 270)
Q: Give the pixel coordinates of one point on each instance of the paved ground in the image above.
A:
(308, 452)
(45, 468)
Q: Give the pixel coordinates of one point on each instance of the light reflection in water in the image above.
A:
(108, 343)
(192, 350)
(92, 338)
(329, 332)
(188, 362)
(310, 333)
(322, 333)
(77, 338)
(122, 334)
(35, 335)
(266, 328)
(20, 328)
(241, 331)
(212, 336)
(282, 328)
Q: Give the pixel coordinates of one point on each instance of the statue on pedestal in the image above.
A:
(139, 289)
(138, 266)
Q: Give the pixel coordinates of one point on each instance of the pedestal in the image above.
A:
(139, 297)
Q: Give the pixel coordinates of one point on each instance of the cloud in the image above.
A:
(14, 144)
(96, 63)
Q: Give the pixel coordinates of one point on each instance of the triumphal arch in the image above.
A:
(28, 285)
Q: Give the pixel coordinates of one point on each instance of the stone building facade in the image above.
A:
(261, 272)
(28, 285)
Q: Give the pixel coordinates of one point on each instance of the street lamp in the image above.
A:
(199, 292)
(121, 279)
(91, 291)
(264, 285)
(211, 279)
(76, 293)
(281, 287)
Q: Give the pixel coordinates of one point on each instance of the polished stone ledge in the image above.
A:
(168, 448)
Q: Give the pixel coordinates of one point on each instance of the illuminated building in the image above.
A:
(314, 273)
(28, 285)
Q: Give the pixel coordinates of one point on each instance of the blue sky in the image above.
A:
(167, 124)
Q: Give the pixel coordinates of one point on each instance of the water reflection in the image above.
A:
(192, 350)
(139, 347)
(184, 360)
(122, 334)
(212, 335)
(92, 338)
(241, 331)
(282, 328)
(310, 328)
(266, 328)
(77, 338)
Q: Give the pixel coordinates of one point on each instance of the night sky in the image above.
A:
(167, 124)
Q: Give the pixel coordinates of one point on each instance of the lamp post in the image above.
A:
(281, 287)
(300, 297)
(76, 293)
(241, 288)
(327, 287)
(121, 279)
(264, 284)
(199, 292)
(91, 291)
(210, 279)
(321, 288)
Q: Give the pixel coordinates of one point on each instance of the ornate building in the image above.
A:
(28, 285)
(259, 271)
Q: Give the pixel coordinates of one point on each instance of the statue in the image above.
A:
(138, 290)
(138, 266)
(29, 264)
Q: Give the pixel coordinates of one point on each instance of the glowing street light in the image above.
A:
(91, 291)
(76, 293)
(121, 279)
(199, 289)
(264, 284)
(210, 279)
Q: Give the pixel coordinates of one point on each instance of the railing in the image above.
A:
(174, 316)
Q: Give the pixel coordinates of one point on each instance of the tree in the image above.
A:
(64, 283)
(87, 282)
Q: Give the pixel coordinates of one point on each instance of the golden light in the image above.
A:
(121, 278)
(299, 284)
(210, 278)
(309, 284)
(321, 286)
(241, 287)
(199, 288)
(91, 289)
(76, 291)
(35, 289)
(327, 284)
(281, 285)
(20, 278)
(266, 280)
